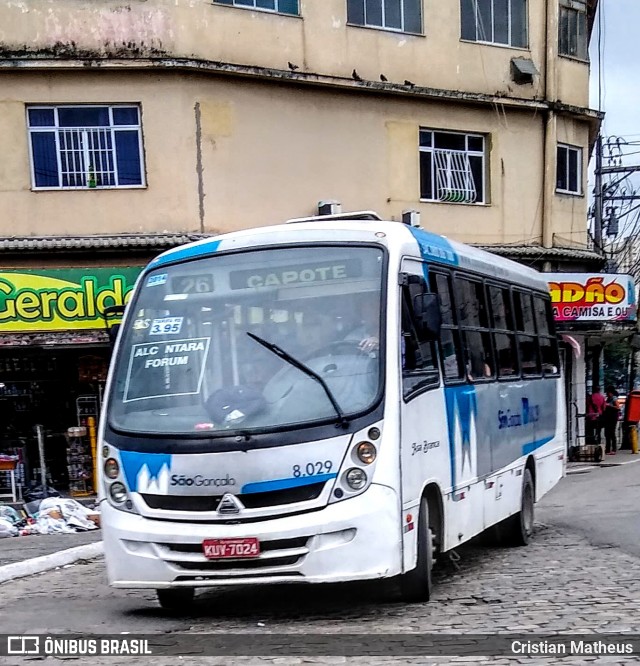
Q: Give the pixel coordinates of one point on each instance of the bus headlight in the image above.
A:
(118, 493)
(359, 465)
(111, 468)
(356, 478)
(366, 452)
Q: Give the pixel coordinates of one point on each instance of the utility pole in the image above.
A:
(599, 206)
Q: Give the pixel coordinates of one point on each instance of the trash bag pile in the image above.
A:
(9, 519)
(57, 514)
(52, 515)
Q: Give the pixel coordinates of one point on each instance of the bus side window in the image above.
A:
(474, 323)
(504, 336)
(419, 366)
(450, 350)
(527, 339)
(548, 341)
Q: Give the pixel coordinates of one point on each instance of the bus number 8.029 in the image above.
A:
(312, 468)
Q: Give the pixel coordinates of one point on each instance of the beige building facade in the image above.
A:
(242, 116)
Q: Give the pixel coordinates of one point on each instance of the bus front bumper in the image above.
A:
(357, 539)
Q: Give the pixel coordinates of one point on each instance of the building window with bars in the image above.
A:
(495, 22)
(401, 15)
(278, 6)
(85, 147)
(452, 167)
(573, 40)
(569, 170)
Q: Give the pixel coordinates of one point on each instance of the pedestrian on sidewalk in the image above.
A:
(610, 418)
(595, 409)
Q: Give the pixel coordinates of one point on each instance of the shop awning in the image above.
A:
(116, 242)
(540, 253)
(54, 338)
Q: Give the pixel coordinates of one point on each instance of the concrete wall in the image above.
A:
(569, 211)
(318, 41)
(271, 152)
(256, 146)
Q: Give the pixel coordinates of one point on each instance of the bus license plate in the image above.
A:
(218, 549)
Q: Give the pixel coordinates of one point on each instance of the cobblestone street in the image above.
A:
(559, 584)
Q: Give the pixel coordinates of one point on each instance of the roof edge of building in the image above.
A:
(111, 242)
(68, 60)
(543, 253)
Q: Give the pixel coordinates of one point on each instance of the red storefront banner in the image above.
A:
(592, 296)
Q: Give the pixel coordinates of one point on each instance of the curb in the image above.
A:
(47, 562)
(611, 463)
(581, 467)
(581, 470)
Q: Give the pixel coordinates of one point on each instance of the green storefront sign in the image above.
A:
(62, 299)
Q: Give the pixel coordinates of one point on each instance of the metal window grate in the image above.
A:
(452, 166)
(85, 146)
(454, 179)
(87, 157)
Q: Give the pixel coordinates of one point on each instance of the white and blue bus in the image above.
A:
(329, 400)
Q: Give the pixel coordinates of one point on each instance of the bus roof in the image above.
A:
(396, 236)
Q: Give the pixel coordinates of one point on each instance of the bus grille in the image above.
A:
(237, 564)
(249, 500)
(274, 544)
(262, 575)
(274, 555)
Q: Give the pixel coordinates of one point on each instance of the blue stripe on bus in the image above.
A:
(434, 248)
(134, 461)
(530, 448)
(285, 484)
(187, 252)
(462, 404)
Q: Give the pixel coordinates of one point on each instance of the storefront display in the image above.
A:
(54, 389)
(54, 358)
(79, 463)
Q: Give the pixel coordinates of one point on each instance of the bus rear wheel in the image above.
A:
(518, 529)
(415, 585)
(176, 599)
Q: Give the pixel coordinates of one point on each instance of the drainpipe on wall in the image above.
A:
(199, 167)
(550, 121)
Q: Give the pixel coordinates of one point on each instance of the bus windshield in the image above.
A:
(216, 344)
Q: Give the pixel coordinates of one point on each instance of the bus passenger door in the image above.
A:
(424, 446)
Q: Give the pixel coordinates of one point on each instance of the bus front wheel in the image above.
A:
(176, 599)
(415, 585)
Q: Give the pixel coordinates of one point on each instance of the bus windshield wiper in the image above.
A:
(285, 356)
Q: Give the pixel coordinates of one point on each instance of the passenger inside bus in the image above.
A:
(478, 366)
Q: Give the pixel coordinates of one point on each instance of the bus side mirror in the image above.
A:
(113, 333)
(428, 318)
(110, 312)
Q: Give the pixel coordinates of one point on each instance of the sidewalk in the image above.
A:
(624, 457)
(26, 555)
(621, 458)
(18, 549)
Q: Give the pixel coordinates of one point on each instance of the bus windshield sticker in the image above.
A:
(163, 369)
(292, 275)
(156, 280)
(166, 326)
